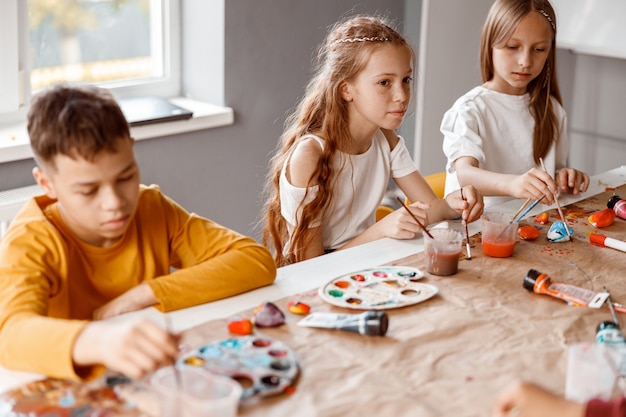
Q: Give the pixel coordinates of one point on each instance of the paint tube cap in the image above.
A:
(607, 324)
(530, 279)
(376, 323)
(612, 201)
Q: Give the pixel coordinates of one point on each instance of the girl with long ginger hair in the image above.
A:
(339, 149)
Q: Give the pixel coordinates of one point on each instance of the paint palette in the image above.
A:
(378, 288)
(262, 366)
(56, 397)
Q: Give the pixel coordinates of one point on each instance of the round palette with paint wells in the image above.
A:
(262, 366)
(378, 288)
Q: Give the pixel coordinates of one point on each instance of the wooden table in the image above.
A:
(452, 354)
(449, 355)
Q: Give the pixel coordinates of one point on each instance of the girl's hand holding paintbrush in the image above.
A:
(404, 223)
(466, 202)
(535, 184)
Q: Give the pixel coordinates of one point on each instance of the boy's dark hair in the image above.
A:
(76, 121)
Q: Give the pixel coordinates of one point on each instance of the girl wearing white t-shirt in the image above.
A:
(496, 134)
(339, 150)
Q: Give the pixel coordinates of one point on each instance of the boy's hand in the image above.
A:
(134, 299)
(572, 180)
(134, 348)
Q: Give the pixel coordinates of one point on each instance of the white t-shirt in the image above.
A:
(361, 184)
(497, 130)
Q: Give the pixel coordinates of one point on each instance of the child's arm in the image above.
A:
(134, 347)
(134, 299)
(534, 184)
(528, 400)
(469, 206)
(396, 225)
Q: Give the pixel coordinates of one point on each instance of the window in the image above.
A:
(128, 46)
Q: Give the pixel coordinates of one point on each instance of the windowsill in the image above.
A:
(15, 146)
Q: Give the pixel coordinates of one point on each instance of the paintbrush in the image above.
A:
(525, 211)
(520, 209)
(558, 206)
(414, 218)
(608, 301)
(467, 244)
(178, 383)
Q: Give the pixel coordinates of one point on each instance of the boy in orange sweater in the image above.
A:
(99, 244)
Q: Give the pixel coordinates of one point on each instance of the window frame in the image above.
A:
(14, 69)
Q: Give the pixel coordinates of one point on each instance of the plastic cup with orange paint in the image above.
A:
(498, 234)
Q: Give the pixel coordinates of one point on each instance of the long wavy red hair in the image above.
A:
(322, 112)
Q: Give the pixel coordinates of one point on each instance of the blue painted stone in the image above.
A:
(557, 232)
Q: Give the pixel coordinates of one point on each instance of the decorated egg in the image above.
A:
(602, 218)
(557, 232)
(528, 232)
(542, 218)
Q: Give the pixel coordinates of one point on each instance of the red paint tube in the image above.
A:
(618, 205)
(541, 283)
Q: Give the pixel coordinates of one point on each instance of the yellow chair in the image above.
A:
(436, 181)
(382, 211)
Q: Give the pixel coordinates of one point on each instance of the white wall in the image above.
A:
(597, 113)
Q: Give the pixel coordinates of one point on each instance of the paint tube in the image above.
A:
(618, 205)
(541, 283)
(609, 334)
(370, 322)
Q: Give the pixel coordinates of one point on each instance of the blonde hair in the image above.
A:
(322, 111)
(502, 20)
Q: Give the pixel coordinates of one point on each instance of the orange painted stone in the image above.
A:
(602, 218)
(528, 232)
(542, 218)
(296, 307)
(241, 327)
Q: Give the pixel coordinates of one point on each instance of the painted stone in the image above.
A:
(542, 218)
(602, 218)
(296, 307)
(241, 327)
(557, 232)
(528, 232)
(268, 315)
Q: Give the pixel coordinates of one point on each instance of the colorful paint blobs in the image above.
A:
(528, 232)
(358, 277)
(296, 307)
(542, 218)
(268, 315)
(195, 361)
(262, 366)
(242, 327)
(557, 232)
(602, 218)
